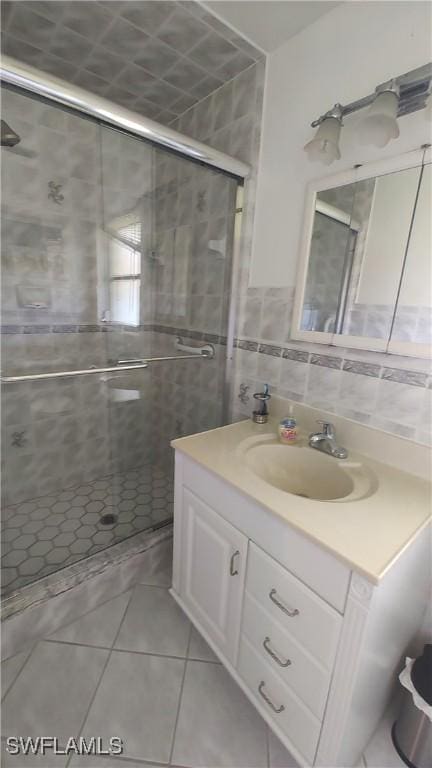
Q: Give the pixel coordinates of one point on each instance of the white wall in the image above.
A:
(341, 57)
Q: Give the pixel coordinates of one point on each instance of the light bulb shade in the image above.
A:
(379, 124)
(324, 147)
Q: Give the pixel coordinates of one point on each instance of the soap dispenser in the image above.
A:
(287, 429)
(260, 416)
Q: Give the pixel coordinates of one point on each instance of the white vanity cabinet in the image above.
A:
(212, 577)
(314, 645)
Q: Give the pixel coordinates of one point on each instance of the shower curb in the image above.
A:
(38, 609)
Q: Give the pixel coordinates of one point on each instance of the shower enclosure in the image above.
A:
(116, 274)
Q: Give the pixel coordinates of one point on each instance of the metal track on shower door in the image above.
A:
(204, 353)
(28, 78)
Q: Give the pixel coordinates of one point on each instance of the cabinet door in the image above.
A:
(213, 572)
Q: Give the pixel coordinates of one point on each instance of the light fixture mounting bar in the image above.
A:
(414, 88)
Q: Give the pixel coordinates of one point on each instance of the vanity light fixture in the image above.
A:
(379, 124)
(390, 101)
(325, 145)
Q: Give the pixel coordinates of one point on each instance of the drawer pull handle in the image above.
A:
(267, 700)
(288, 611)
(277, 659)
(234, 571)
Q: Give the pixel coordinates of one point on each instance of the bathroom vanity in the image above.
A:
(309, 591)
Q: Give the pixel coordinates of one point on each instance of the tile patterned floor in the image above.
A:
(134, 667)
(40, 536)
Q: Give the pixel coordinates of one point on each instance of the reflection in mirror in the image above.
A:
(413, 319)
(333, 239)
(384, 207)
(359, 238)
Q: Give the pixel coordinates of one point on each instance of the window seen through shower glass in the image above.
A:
(124, 266)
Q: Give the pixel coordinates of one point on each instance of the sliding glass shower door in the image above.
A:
(113, 253)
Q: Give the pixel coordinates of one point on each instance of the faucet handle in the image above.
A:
(328, 428)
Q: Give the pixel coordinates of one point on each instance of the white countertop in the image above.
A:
(368, 534)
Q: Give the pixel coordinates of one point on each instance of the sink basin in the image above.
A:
(303, 471)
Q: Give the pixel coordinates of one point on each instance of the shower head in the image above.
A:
(8, 137)
(10, 140)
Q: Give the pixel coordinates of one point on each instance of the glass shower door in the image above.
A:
(113, 252)
(60, 497)
(168, 225)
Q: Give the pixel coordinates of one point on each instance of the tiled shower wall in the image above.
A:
(194, 297)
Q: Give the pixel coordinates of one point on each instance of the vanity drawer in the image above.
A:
(285, 708)
(308, 618)
(295, 668)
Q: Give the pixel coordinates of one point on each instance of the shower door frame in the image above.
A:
(30, 79)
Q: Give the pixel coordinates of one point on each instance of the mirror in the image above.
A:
(413, 317)
(365, 278)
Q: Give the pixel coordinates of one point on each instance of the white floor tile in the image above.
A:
(199, 649)
(279, 757)
(154, 624)
(381, 751)
(105, 762)
(157, 569)
(99, 627)
(51, 695)
(32, 761)
(217, 725)
(10, 669)
(137, 700)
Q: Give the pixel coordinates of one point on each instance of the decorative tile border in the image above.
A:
(414, 378)
(250, 346)
(326, 361)
(269, 349)
(8, 330)
(375, 370)
(365, 369)
(35, 329)
(210, 338)
(295, 354)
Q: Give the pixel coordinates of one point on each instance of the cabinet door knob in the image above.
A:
(268, 700)
(233, 570)
(274, 656)
(289, 611)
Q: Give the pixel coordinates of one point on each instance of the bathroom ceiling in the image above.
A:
(270, 23)
(157, 58)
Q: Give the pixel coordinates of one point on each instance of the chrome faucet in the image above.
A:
(325, 441)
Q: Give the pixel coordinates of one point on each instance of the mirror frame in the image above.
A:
(411, 159)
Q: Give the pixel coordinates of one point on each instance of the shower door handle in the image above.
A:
(132, 366)
(67, 374)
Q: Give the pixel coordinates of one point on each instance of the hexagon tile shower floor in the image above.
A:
(42, 535)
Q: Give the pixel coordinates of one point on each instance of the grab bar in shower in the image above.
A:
(206, 350)
(111, 369)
